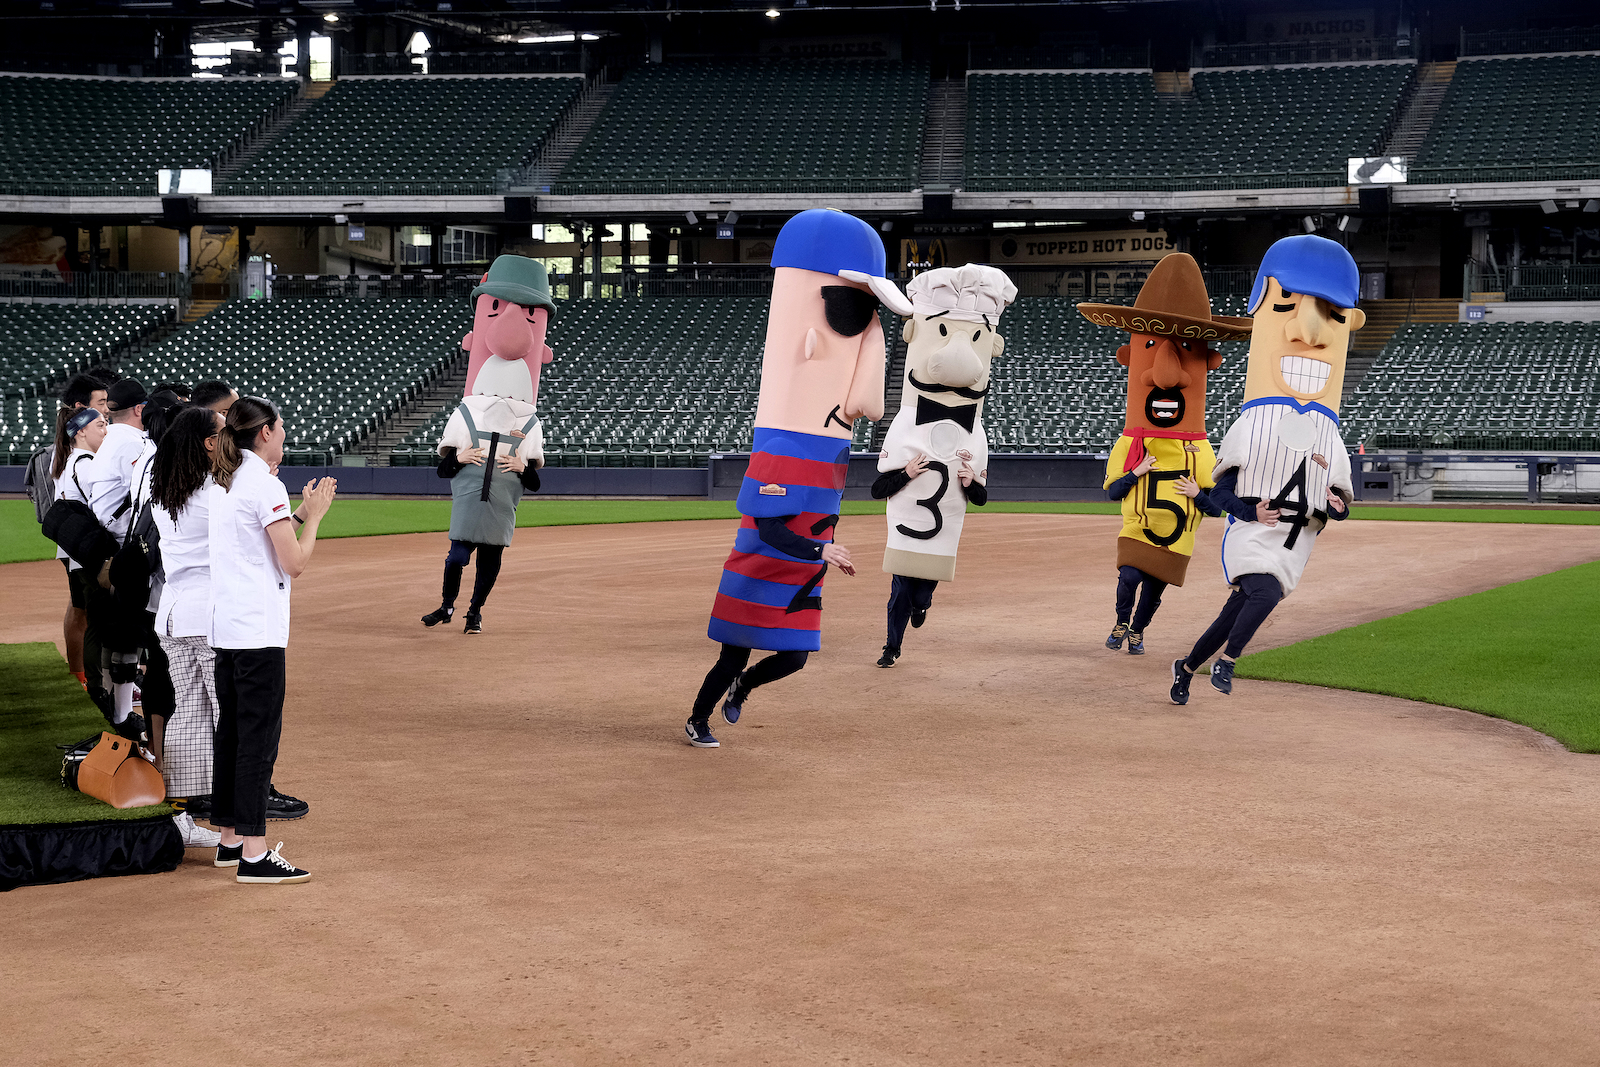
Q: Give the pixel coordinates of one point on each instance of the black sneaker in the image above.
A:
(133, 728)
(1180, 683)
(1135, 642)
(700, 734)
(888, 657)
(198, 807)
(229, 855)
(434, 618)
(283, 806)
(918, 617)
(271, 869)
(474, 623)
(1118, 633)
(734, 704)
(1222, 676)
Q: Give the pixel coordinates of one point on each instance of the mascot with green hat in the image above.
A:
(493, 445)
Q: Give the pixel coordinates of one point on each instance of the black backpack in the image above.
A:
(73, 526)
(38, 481)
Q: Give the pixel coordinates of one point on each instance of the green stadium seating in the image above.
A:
(1515, 120)
(335, 368)
(1482, 385)
(1284, 127)
(109, 136)
(781, 125)
(40, 344)
(448, 134)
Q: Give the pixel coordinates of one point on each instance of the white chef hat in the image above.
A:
(973, 292)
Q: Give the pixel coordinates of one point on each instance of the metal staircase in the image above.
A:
(1173, 84)
(1418, 109)
(568, 133)
(435, 396)
(1384, 318)
(894, 378)
(238, 161)
(944, 135)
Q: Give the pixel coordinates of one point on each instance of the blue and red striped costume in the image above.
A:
(769, 599)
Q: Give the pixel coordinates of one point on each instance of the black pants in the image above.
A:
(489, 558)
(727, 668)
(1247, 608)
(1128, 581)
(905, 596)
(250, 685)
(156, 688)
(110, 645)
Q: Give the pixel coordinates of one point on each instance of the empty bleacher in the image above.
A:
(109, 136)
(1523, 119)
(1506, 385)
(1292, 126)
(336, 368)
(732, 126)
(442, 135)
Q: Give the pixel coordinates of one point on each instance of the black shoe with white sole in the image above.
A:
(474, 623)
(282, 806)
(271, 869)
(228, 855)
(699, 734)
(918, 617)
(888, 657)
(1222, 676)
(434, 618)
(1181, 677)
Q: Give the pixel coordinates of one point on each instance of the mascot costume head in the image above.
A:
(1168, 353)
(822, 369)
(1285, 446)
(951, 335)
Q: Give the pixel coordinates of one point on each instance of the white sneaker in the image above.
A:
(195, 836)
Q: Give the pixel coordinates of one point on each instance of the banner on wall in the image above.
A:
(1335, 24)
(1107, 246)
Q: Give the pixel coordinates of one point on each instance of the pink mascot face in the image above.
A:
(823, 365)
(506, 348)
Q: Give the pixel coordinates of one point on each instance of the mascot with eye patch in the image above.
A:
(493, 445)
(1282, 472)
(935, 457)
(1160, 468)
(821, 370)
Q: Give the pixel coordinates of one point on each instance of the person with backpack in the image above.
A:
(79, 437)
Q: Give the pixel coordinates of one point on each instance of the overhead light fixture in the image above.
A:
(772, 12)
(1349, 224)
(1138, 216)
(1309, 223)
(330, 17)
(1591, 206)
(731, 217)
(553, 38)
(1548, 207)
(588, 37)
(886, 225)
(694, 220)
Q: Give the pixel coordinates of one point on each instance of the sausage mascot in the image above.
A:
(935, 457)
(493, 445)
(821, 370)
(1160, 468)
(1282, 473)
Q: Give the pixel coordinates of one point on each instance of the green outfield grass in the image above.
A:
(1521, 652)
(42, 706)
(20, 539)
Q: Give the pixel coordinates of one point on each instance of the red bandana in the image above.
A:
(1139, 433)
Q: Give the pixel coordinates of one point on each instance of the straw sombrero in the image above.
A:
(1173, 303)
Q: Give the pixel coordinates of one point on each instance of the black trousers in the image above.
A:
(489, 559)
(156, 688)
(1128, 581)
(250, 686)
(1247, 608)
(905, 596)
(727, 668)
(110, 644)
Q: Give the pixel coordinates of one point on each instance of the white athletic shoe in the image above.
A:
(195, 836)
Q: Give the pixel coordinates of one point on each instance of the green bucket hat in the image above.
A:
(518, 279)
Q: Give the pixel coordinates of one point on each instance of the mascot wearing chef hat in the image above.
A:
(493, 445)
(935, 457)
(821, 370)
(1282, 472)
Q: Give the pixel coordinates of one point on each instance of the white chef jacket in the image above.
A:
(1271, 443)
(185, 605)
(249, 589)
(141, 495)
(109, 478)
(68, 489)
(947, 442)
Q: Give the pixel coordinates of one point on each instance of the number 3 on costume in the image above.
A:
(1153, 502)
(932, 504)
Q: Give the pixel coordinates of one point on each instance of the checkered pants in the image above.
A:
(186, 748)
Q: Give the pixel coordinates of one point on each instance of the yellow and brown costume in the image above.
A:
(1158, 522)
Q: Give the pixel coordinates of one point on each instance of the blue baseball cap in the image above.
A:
(1306, 263)
(832, 242)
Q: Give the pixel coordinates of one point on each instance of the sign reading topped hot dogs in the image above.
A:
(1105, 246)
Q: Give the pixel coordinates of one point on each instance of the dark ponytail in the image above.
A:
(245, 421)
(63, 442)
(182, 462)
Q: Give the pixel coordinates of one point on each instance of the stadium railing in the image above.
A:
(1516, 42)
(364, 187)
(1118, 281)
(1283, 53)
(1543, 282)
(96, 285)
(1505, 172)
(1084, 56)
(899, 183)
(1166, 183)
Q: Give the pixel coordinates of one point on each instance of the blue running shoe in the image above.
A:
(1135, 642)
(734, 704)
(700, 734)
(1118, 633)
(1222, 676)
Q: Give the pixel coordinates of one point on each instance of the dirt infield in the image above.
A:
(1008, 849)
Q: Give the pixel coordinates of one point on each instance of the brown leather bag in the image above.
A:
(116, 772)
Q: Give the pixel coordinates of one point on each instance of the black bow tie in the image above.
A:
(930, 410)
